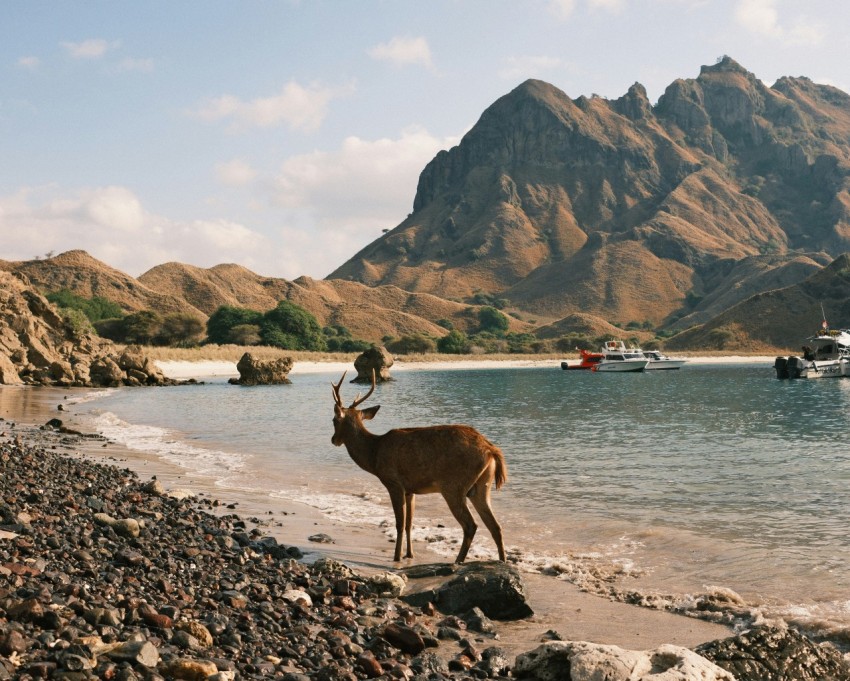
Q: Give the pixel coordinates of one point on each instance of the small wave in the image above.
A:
(163, 444)
(91, 396)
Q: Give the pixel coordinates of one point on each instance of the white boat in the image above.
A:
(826, 355)
(617, 357)
(658, 360)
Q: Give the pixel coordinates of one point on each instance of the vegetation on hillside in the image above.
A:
(290, 327)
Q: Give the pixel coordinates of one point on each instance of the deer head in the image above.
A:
(348, 421)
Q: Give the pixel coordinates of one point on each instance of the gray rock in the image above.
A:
(494, 587)
(255, 371)
(582, 661)
(376, 359)
(136, 652)
(773, 653)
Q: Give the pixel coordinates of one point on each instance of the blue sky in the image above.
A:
(284, 135)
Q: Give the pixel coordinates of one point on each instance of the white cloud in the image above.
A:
(521, 68)
(761, 17)
(111, 224)
(140, 65)
(347, 197)
(562, 9)
(89, 49)
(325, 207)
(299, 107)
(404, 51)
(613, 6)
(30, 63)
(234, 173)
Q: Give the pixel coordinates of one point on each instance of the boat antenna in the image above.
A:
(825, 324)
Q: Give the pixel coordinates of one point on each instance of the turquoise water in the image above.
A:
(675, 482)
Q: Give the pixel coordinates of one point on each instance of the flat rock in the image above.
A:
(494, 587)
(583, 661)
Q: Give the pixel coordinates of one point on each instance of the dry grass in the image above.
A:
(232, 353)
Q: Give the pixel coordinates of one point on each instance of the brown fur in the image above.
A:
(454, 460)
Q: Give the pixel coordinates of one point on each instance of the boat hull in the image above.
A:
(566, 366)
(621, 365)
(835, 369)
(662, 364)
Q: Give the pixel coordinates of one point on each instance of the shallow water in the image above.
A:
(668, 482)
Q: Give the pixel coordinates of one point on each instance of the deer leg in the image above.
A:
(397, 496)
(408, 522)
(480, 497)
(459, 509)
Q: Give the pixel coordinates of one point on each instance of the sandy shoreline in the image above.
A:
(558, 605)
(184, 370)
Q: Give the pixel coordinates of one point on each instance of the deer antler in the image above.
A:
(358, 399)
(335, 387)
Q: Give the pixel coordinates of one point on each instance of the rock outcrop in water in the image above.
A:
(256, 371)
(38, 347)
(376, 360)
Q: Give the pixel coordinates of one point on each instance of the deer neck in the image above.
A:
(362, 448)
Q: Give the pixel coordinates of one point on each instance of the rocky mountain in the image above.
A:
(88, 277)
(627, 211)
(369, 313)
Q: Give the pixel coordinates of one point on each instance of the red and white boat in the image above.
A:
(587, 362)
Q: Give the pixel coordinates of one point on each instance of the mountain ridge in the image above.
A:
(624, 210)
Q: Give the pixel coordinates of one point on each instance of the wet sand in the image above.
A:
(559, 606)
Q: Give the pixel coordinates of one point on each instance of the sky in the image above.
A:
(285, 135)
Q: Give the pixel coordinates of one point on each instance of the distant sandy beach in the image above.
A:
(184, 370)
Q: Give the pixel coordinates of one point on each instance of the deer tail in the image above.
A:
(501, 473)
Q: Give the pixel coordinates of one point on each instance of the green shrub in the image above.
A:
(411, 345)
(180, 329)
(226, 318)
(490, 319)
(77, 321)
(291, 327)
(245, 334)
(95, 309)
(453, 343)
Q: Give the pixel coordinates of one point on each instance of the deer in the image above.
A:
(455, 461)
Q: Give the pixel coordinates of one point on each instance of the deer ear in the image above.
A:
(369, 413)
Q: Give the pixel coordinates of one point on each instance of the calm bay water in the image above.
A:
(673, 482)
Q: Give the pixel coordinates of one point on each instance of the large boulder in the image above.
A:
(255, 371)
(494, 587)
(776, 654)
(582, 661)
(377, 360)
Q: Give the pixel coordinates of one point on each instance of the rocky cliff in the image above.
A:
(37, 347)
(626, 210)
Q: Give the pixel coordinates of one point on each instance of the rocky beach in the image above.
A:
(106, 574)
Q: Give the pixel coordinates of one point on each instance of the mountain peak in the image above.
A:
(724, 64)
